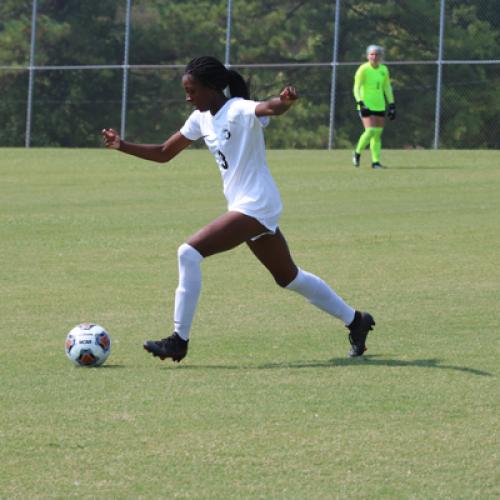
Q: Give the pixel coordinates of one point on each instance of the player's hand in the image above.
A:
(392, 111)
(289, 94)
(111, 138)
(363, 109)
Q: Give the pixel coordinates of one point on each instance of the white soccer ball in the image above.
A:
(88, 344)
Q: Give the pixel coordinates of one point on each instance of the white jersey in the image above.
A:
(234, 135)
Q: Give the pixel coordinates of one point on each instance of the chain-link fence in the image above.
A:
(69, 68)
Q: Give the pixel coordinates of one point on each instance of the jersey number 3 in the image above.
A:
(221, 160)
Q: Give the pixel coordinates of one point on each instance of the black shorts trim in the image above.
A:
(371, 113)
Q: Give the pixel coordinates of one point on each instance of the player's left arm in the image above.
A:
(388, 89)
(278, 105)
(389, 95)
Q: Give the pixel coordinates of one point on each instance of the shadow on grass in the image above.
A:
(418, 363)
(368, 360)
(427, 167)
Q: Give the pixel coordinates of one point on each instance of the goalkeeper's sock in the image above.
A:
(317, 292)
(376, 144)
(364, 139)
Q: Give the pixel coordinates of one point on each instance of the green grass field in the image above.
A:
(267, 404)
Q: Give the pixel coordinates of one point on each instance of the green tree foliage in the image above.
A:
(70, 107)
(168, 33)
(15, 22)
(66, 104)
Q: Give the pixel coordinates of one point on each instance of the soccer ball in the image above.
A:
(88, 344)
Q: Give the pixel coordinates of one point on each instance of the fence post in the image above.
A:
(227, 60)
(334, 73)
(125, 71)
(29, 107)
(437, 118)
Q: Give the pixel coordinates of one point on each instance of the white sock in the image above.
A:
(316, 291)
(188, 291)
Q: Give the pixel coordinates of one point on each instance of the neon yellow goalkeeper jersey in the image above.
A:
(371, 85)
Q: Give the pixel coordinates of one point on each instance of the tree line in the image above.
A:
(70, 107)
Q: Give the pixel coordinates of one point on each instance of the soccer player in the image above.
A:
(372, 88)
(232, 128)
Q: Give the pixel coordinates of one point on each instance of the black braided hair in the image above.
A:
(211, 73)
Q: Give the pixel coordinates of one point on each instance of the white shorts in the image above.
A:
(255, 238)
(271, 223)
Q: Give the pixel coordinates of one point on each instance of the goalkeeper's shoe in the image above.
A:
(358, 331)
(356, 157)
(376, 164)
(170, 347)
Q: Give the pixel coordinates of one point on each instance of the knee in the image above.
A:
(370, 132)
(283, 279)
(281, 282)
(187, 254)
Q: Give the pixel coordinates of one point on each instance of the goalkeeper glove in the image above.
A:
(392, 111)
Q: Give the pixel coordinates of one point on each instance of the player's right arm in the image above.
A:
(160, 153)
(358, 82)
(356, 90)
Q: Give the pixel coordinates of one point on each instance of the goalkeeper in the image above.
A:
(372, 89)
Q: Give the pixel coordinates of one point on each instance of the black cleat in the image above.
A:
(356, 157)
(171, 347)
(358, 331)
(376, 164)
